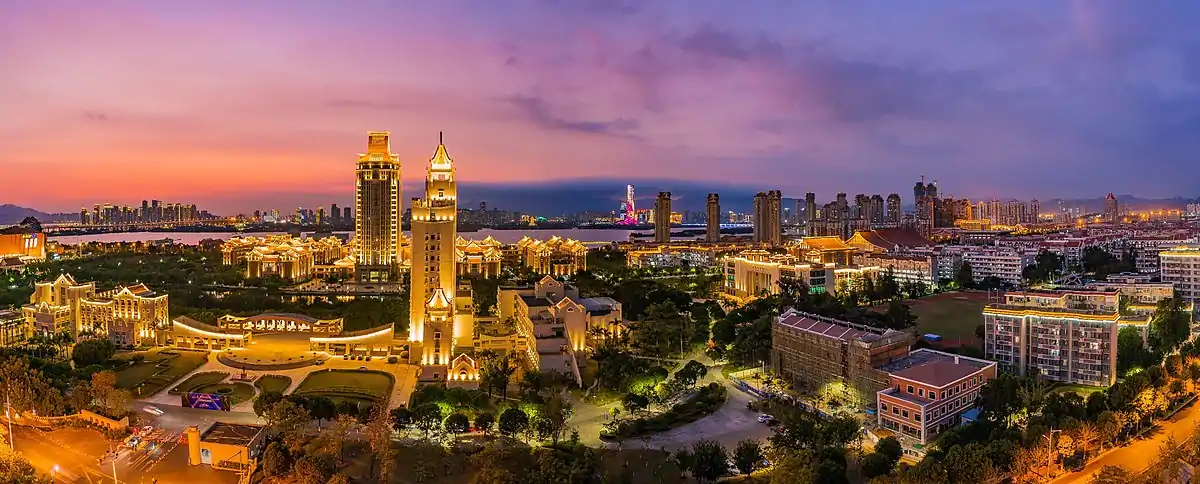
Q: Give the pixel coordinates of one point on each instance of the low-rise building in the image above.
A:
(753, 273)
(822, 250)
(928, 393)
(554, 325)
(291, 258)
(226, 446)
(126, 315)
(478, 257)
(838, 358)
(913, 269)
(13, 329)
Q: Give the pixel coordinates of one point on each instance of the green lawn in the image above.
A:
(953, 316)
(199, 380)
(357, 385)
(1081, 390)
(159, 369)
(273, 383)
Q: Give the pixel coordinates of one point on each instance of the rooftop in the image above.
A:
(829, 328)
(934, 368)
(231, 434)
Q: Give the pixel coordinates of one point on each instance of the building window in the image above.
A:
(910, 389)
(921, 392)
(904, 413)
(932, 395)
(895, 411)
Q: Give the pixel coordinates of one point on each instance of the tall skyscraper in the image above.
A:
(810, 207)
(347, 214)
(433, 278)
(662, 217)
(768, 227)
(1112, 210)
(1035, 210)
(713, 218)
(335, 214)
(377, 204)
(893, 208)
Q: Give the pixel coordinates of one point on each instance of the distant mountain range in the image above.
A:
(12, 214)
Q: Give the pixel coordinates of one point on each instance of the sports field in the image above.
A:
(953, 316)
(360, 386)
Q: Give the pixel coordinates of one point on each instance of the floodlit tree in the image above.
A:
(457, 423)
(1113, 475)
(427, 417)
(512, 422)
(484, 422)
(691, 372)
(635, 403)
(276, 462)
(402, 418)
(15, 469)
(379, 436)
(337, 433)
(288, 420)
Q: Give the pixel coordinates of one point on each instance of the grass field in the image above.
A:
(273, 383)
(954, 316)
(199, 380)
(355, 385)
(1081, 390)
(159, 369)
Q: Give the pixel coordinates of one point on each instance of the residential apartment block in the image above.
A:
(13, 330)
(1180, 266)
(838, 357)
(1065, 336)
(1006, 264)
(927, 394)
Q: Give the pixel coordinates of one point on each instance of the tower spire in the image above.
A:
(440, 138)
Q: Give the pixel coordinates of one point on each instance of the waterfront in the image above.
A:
(590, 236)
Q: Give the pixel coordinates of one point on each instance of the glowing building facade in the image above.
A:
(662, 217)
(287, 257)
(556, 256)
(126, 315)
(378, 209)
(437, 328)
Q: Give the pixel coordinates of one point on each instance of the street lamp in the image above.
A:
(54, 473)
(1050, 453)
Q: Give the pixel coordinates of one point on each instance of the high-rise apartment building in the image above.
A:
(768, 227)
(347, 214)
(433, 310)
(662, 217)
(335, 214)
(893, 208)
(810, 207)
(713, 219)
(377, 203)
(1112, 210)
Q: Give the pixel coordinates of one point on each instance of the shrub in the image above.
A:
(708, 400)
(392, 359)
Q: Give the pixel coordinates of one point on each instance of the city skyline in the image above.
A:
(1024, 101)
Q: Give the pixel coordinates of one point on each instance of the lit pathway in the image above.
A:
(1139, 454)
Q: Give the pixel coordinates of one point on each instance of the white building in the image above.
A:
(1005, 264)
(1181, 266)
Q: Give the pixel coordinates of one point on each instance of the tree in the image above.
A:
(661, 331)
(495, 371)
(890, 448)
(427, 417)
(484, 422)
(104, 391)
(513, 421)
(337, 433)
(1085, 436)
(968, 463)
(15, 469)
(347, 407)
(402, 418)
(92, 352)
(691, 372)
(321, 408)
(795, 468)
(288, 420)
(1113, 475)
(276, 462)
(634, 403)
(748, 456)
(899, 316)
(964, 277)
(709, 461)
(457, 423)
(1108, 427)
(1171, 324)
(265, 400)
(313, 469)
(1131, 350)
(379, 437)
(875, 465)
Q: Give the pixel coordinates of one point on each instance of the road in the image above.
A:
(1138, 455)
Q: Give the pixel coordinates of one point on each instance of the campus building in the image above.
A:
(290, 258)
(822, 250)
(912, 269)
(328, 336)
(13, 330)
(126, 315)
(834, 357)
(754, 273)
(556, 256)
(1064, 336)
(554, 325)
(478, 257)
(928, 393)
(377, 210)
(23, 243)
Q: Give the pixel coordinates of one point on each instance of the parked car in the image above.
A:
(764, 418)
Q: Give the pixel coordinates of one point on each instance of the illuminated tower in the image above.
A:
(713, 233)
(662, 217)
(433, 329)
(629, 198)
(377, 208)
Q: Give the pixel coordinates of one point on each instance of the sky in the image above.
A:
(265, 104)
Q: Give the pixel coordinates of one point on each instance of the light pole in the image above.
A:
(54, 473)
(1050, 451)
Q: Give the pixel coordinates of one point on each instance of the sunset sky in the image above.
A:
(237, 105)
